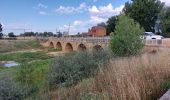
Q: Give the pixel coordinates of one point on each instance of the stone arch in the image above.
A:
(81, 47)
(59, 46)
(51, 45)
(69, 47)
(97, 48)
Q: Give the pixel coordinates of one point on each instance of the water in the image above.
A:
(9, 64)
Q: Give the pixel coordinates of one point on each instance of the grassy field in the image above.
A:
(86, 76)
(144, 77)
(23, 57)
(18, 45)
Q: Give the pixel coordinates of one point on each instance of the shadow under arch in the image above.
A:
(81, 47)
(69, 47)
(59, 46)
(51, 45)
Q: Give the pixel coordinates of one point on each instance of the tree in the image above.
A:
(29, 34)
(127, 39)
(48, 34)
(59, 34)
(11, 34)
(145, 12)
(111, 23)
(166, 21)
(102, 24)
(1, 30)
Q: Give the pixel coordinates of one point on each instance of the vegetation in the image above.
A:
(1, 31)
(11, 34)
(53, 50)
(22, 57)
(102, 24)
(166, 21)
(45, 34)
(9, 90)
(70, 69)
(145, 12)
(144, 77)
(111, 24)
(32, 76)
(8, 46)
(126, 40)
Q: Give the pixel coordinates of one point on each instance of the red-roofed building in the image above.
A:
(97, 31)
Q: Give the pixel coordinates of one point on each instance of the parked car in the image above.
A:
(151, 35)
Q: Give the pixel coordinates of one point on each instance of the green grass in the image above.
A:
(30, 76)
(53, 50)
(23, 57)
(28, 44)
(17, 45)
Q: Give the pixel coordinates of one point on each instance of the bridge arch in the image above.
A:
(59, 46)
(68, 47)
(51, 45)
(81, 47)
(97, 48)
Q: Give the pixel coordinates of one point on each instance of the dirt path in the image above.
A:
(58, 53)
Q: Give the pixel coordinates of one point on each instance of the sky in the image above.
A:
(52, 15)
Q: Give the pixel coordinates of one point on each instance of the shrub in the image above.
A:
(126, 40)
(72, 68)
(31, 76)
(94, 96)
(9, 90)
(22, 57)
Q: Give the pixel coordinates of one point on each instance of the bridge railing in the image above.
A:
(86, 39)
(105, 40)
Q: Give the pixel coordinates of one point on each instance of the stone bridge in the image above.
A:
(93, 43)
(79, 44)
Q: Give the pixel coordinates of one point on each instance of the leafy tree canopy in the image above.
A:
(166, 21)
(1, 31)
(126, 40)
(145, 12)
(111, 23)
(11, 34)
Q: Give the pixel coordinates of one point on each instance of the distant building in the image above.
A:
(97, 31)
(85, 34)
(65, 33)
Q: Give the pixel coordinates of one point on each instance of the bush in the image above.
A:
(126, 41)
(9, 90)
(22, 57)
(31, 76)
(72, 68)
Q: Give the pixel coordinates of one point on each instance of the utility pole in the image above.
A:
(68, 29)
(56, 31)
(24, 34)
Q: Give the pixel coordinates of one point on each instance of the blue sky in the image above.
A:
(47, 15)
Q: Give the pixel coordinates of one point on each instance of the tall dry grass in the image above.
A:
(129, 78)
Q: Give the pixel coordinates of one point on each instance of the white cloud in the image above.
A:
(40, 5)
(102, 13)
(105, 11)
(97, 15)
(93, 9)
(96, 19)
(42, 13)
(167, 2)
(69, 9)
(77, 22)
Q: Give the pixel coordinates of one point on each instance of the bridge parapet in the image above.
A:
(104, 40)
